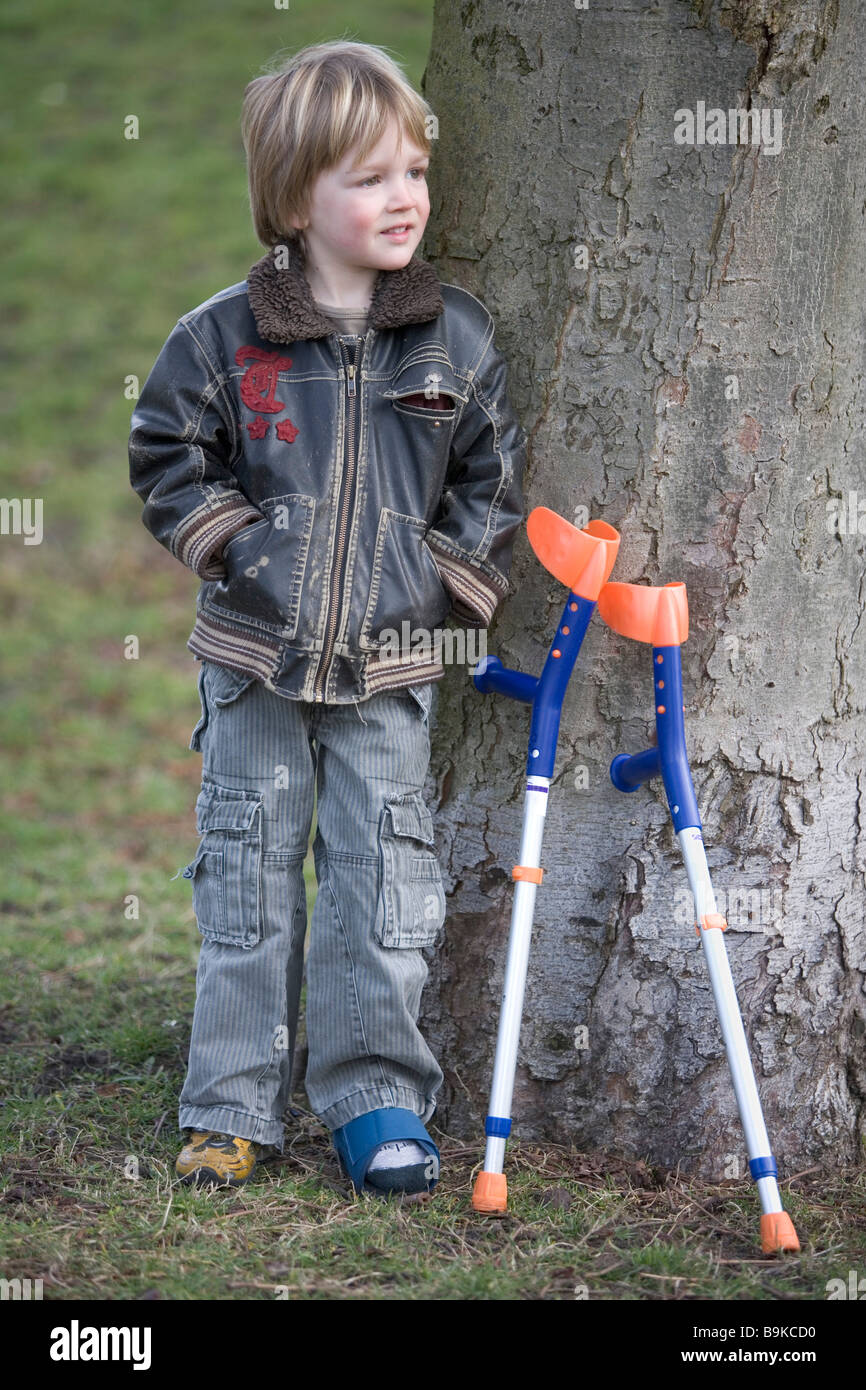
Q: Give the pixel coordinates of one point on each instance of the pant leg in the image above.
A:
(254, 812)
(380, 903)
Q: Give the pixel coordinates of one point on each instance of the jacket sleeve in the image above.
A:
(473, 534)
(183, 435)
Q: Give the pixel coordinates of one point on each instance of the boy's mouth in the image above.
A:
(399, 229)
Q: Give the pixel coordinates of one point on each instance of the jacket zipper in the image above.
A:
(335, 606)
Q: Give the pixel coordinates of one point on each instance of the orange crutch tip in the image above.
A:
(490, 1193)
(777, 1232)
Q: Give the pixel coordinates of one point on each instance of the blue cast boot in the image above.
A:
(358, 1141)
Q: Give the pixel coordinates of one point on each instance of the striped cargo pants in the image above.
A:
(380, 901)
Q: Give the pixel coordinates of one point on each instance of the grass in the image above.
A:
(106, 242)
(95, 1030)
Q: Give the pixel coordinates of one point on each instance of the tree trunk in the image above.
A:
(699, 386)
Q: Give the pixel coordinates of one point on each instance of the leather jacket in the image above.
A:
(332, 491)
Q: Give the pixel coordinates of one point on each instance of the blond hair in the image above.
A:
(302, 120)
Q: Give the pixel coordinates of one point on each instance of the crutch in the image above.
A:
(660, 616)
(582, 560)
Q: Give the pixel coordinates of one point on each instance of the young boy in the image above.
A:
(329, 446)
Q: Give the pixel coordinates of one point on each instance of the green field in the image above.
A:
(106, 242)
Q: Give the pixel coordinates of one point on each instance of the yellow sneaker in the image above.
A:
(221, 1160)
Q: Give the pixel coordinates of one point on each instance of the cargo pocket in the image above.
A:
(411, 905)
(226, 872)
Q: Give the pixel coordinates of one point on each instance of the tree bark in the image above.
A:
(699, 385)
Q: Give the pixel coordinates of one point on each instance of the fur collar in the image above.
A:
(285, 311)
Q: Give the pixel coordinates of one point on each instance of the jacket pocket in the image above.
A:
(226, 871)
(418, 431)
(266, 563)
(437, 411)
(428, 389)
(410, 909)
(405, 585)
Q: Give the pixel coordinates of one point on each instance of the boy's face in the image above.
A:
(352, 205)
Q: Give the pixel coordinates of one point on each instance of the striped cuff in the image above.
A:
(200, 537)
(475, 596)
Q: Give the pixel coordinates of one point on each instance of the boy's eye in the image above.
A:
(419, 171)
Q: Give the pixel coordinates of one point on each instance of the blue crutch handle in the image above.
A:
(659, 617)
(582, 560)
(545, 692)
(490, 676)
(628, 771)
(670, 758)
